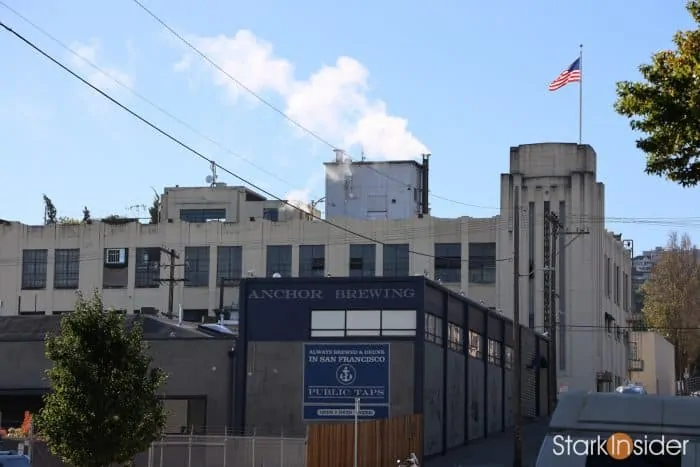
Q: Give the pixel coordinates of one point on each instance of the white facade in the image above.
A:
(101, 243)
(234, 232)
(386, 190)
(592, 270)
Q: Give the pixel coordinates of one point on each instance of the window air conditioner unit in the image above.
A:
(115, 256)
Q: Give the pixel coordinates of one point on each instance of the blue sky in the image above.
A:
(465, 80)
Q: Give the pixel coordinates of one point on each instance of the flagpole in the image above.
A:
(580, 96)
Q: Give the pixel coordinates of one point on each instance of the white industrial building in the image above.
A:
(223, 232)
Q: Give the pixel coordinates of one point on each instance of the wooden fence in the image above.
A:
(379, 442)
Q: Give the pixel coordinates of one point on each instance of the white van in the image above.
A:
(614, 429)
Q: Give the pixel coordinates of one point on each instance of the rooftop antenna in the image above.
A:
(362, 153)
(211, 179)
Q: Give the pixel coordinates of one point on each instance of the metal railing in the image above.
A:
(224, 451)
(195, 451)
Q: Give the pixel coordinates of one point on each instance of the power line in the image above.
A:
(145, 99)
(662, 221)
(276, 109)
(185, 146)
(257, 96)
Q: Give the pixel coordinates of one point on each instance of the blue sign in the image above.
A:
(337, 374)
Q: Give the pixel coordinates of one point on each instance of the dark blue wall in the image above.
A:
(279, 309)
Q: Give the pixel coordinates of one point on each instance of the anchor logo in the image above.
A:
(345, 374)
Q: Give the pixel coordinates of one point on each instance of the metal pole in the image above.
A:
(150, 455)
(225, 446)
(517, 440)
(161, 453)
(357, 416)
(282, 450)
(189, 448)
(171, 284)
(252, 448)
(580, 97)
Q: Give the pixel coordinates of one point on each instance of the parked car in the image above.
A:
(632, 389)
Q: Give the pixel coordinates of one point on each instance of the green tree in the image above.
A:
(672, 299)
(50, 212)
(104, 407)
(665, 107)
(87, 217)
(154, 210)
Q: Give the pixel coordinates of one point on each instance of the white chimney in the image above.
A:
(339, 155)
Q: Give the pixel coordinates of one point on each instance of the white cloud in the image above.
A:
(91, 51)
(332, 102)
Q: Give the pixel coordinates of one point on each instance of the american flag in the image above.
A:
(570, 75)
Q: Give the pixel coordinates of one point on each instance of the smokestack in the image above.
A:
(339, 155)
(426, 175)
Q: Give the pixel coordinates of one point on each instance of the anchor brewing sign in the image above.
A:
(336, 374)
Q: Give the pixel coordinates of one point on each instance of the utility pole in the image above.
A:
(553, 393)
(171, 279)
(517, 387)
(556, 229)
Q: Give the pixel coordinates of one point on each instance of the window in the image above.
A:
(455, 337)
(271, 214)
(34, 268)
(202, 215)
(328, 323)
(633, 351)
(607, 277)
(115, 273)
(625, 291)
(508, 360)
(448, 262)
(494, 352)
(370, 323)
(433, 328)
(66, 269)
(229, 263)
(147, 268)
(398, 322)
(279, 260)
(312, 260)
(362, 260)
(482, 263)
(114, 256)
(363, 322)
(475, 344)
(197, 266)
(617, 285)
(396, 263)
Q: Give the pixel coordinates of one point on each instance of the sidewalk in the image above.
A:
(497, 450)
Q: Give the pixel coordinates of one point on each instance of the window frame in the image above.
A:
(66, 269)
(35, 270)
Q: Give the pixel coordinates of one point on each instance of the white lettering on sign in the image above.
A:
(340, 294)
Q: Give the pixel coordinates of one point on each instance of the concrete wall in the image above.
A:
(456, 392)
(254, 237)
(275, 386)
(656, 355)
(563, 177)
(195, 367)
(433, 394)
